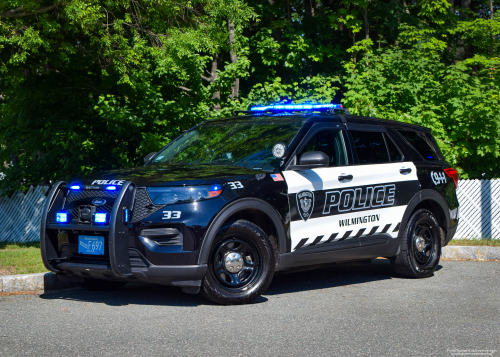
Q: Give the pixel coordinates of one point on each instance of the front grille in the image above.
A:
(143, 206)
(77, 199)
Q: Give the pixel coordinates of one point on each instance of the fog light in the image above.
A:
(100, 217)
(62, 217)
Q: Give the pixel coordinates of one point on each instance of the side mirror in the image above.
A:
(149, 156)
(314, 159)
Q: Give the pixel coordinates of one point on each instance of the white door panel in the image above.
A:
(377, 196)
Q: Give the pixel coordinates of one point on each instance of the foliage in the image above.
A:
(88, 85)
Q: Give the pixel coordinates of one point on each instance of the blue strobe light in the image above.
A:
(61, 217)
(75, 187)
(100, 217)
(111, 188)
(306, 106)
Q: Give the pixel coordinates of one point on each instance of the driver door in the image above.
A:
(310, 190)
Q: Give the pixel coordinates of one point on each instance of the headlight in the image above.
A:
(170, 195)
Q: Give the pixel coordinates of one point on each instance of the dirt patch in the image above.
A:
(8, 270)
(36, 292)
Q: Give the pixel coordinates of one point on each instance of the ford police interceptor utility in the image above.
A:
(232, 201)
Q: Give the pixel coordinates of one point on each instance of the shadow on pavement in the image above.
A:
(315, 279)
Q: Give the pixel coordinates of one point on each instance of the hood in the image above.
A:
(168, 175)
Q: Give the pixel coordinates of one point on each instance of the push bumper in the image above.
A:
(118, 265)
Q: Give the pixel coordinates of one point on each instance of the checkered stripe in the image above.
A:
(334, 237)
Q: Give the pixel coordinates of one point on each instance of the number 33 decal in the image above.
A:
(171, 214)
(235, 185)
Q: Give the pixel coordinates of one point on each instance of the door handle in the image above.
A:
(404, 171)
(345, 178)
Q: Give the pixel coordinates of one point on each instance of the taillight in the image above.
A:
(453, 174)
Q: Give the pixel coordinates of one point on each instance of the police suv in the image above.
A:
(232, 201)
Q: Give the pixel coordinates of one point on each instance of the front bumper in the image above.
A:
(120, 262)
(177, 275)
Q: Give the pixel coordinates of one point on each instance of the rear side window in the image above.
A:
(370, 147)
(420, 144)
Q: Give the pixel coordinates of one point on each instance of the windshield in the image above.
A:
(247, 144)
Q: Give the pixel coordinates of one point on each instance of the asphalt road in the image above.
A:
(337, 311)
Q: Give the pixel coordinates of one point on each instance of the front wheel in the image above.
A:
(420, 247)
(241, 264)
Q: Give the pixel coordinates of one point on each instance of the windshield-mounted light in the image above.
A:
(305, 106)
(171, 195)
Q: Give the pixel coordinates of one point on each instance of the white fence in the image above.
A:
(20, 215)
(479, 209)
(479, 212)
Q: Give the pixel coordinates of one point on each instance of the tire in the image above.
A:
(101, 285)
(420, 246)
(244, 248)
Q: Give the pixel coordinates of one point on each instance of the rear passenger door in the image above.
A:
(384, 182)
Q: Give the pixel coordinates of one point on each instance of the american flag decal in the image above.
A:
(277, 177)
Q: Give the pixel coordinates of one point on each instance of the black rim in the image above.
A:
(423, 244)
(251, 263)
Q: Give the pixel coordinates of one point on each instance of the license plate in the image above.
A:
(91, 245)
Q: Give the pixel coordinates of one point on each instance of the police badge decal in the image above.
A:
(305, 204)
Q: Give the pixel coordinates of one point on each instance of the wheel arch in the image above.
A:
(432, 201)
(251, 209)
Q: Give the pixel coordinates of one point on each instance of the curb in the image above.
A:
(470, 253)
(48, 281)
(32, 282)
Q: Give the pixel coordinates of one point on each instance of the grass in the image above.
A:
(20, 259)
(476, 242)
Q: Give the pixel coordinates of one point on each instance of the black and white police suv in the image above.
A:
(232, 201)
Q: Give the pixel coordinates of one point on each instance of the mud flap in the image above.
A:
(118, 231)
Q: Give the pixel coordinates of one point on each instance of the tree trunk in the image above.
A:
(236, 86)
(213, 77)
(460, 53)
(367, 25)
(288, 13)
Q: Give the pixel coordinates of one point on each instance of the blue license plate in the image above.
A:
(91, 245)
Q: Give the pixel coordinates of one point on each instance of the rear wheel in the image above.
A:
(241, 264)
(101, 285)
(420, 247)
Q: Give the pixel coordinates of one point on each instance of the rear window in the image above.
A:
(420, 144)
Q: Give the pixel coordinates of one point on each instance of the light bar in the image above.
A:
(100, 217)
(111, 188)
(61, 217)
(307, 106)
(75, 187)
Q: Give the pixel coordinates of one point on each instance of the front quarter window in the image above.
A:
(247, 144)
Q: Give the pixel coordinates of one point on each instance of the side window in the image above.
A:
(394, 153)
(331, 143)
(419, 143)
(370, 147)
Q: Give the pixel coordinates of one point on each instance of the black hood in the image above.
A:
(161, 175)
